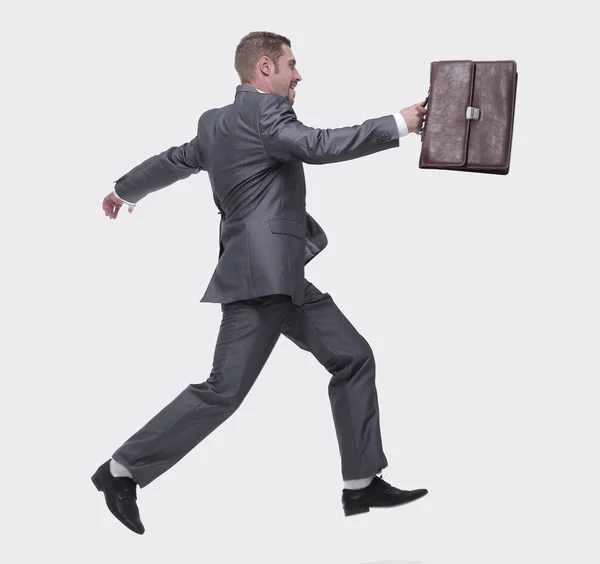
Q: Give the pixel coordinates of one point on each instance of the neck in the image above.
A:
(262, 87)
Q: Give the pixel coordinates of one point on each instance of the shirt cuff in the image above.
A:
(402, 128)
(117, 195)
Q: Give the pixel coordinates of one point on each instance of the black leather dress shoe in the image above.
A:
(377, 494)
(120, 495)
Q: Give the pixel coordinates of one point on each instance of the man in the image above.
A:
(253, 151)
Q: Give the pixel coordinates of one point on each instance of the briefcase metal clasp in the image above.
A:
(473, 113)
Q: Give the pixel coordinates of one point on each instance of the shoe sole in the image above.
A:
(366, 508)
(356, 510)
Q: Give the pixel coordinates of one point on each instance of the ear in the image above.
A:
(265, 65)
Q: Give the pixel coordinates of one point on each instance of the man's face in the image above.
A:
(285, 81)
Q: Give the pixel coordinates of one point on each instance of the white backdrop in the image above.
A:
(478, 294)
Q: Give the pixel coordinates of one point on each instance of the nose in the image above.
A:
(298, 77)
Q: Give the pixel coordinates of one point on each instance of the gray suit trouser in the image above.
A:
(249, 330)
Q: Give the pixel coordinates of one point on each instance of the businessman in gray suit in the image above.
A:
(254, 151)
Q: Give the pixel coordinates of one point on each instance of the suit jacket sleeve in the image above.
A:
(285, 138)
(159, 171)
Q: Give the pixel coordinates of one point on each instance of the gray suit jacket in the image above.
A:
(253, 151)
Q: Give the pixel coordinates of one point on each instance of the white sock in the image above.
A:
(118, 470)
(357, 484)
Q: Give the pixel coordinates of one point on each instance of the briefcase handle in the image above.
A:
(424, 104)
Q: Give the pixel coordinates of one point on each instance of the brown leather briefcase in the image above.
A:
(470, 116)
